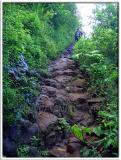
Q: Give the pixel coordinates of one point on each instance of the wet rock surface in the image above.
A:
(9, 147)
(64, 90)
(21, 68)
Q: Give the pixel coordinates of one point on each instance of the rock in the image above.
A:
(22, 63)
(72, 147)
(31, 117)
(13, 73)
(75, 153)
(67, 72)
(49, 90)
(53, 138)
(73, 139)
(9, 148)
(25, 123)
(21, 68)
(33, 152)
(58, 151)
(14, 133)
(45, 102)
(23, 134)
(95, 100)
(65, 64)
(83, 107)
(63, 78)
(52, 83)
(81, 97)
(83, 118)
(60, 99)
(46, 119)
(78, 83)
(71, 89)
(33, 130)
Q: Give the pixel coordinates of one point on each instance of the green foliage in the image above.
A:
(23, 151)
(44, 153)
(63, 125)
(98, 56)
(106, 15)
(40, 31)
(97, 130)
(85, 52)
(106, 42)
(80, 132)
(37, 141)
(92, 152)
(109, 128)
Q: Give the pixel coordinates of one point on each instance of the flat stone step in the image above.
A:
(82, 118)
(63, 63)
(49, 90)
(95, 100)
(52, 83)
(68, 72)
(77, 96)
(73, 89)
(78, 82)
(83, 106)
(63, 78)
(45, 119)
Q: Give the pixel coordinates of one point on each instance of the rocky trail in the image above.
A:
(63, 101)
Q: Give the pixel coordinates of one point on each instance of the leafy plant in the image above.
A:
(63, 124)
(40, 31)
(44, 153)
(37, 141)
(80, 132)
(22, 151)
(98, 56)
(97, 130)
(89, 152)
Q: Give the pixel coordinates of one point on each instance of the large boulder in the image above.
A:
(83, 118)
(23, 132)
(45, 103)
(9, 148)
(45, 120)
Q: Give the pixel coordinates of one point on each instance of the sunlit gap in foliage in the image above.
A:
(85, 14)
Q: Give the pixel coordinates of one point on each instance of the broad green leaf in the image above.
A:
(97, 130)
(77, 132)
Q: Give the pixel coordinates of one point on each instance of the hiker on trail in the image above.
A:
(78, 34)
